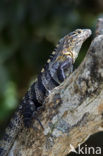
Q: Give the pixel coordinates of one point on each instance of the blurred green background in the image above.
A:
(29, 31)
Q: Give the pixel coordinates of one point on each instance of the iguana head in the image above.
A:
(70, 44)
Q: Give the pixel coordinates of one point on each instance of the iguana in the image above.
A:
(58, 67)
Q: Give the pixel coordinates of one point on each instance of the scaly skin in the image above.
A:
(56, 70)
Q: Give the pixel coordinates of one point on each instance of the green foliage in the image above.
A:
(29, 31)
(8, 100)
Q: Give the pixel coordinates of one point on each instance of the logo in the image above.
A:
(86, 150)
(72, 149)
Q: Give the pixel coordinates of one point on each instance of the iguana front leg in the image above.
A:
(67, 64)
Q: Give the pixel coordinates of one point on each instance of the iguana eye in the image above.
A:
(79, 31)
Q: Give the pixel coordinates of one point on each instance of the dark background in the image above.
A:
(29, 30)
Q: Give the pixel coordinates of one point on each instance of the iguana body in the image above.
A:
(57, 68)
